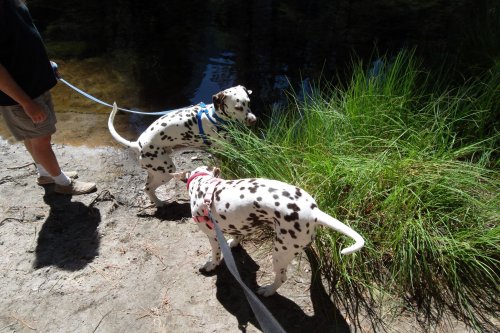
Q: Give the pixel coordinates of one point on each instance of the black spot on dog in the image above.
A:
(291, 217)
(217, 195)
(261, 211)
(293, 207)
(296, 225)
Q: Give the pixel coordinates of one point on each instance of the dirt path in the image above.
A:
(103, 263)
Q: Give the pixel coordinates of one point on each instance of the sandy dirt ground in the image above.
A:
(104, 263)
(108, 262)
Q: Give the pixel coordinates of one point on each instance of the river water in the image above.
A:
(160, 55)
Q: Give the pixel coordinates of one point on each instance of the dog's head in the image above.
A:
(234, 104)
(204, 170)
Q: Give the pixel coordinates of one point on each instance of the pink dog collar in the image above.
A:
(207, 199)
(192, 177)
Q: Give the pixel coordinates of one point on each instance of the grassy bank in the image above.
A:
(408, 162)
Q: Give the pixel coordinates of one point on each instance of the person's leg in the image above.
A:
(39, 168)
(41, 151)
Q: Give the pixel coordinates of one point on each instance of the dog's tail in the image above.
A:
(114, 133)
(335, 224)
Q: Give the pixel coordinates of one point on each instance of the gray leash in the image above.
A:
(267, 322)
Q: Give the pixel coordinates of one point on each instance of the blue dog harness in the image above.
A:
(212, 117)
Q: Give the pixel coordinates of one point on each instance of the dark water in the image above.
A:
(182, 52)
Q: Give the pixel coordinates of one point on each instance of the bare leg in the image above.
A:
(41, 151)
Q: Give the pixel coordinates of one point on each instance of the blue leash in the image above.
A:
(212, 117)
(95, 99)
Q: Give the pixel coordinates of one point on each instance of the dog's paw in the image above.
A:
(266, 290)
(209, 266)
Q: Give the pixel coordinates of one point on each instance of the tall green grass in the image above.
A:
(409, 163)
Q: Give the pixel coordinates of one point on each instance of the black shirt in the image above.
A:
(22, 51)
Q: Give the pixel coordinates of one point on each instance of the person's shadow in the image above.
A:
(69, 238)
(326, 318)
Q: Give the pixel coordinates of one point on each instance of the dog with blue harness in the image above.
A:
(193, 126)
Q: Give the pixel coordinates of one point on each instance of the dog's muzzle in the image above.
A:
(251, 119)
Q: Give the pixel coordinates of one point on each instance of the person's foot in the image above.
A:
(47, 180)
(75, 187)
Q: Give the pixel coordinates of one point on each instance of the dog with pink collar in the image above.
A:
(241, 206)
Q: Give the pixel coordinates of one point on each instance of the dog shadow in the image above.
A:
(69, 238)
(326, 318)
(172, 211)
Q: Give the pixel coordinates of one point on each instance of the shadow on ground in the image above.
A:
(172, 211)
(326, 318)
(69, 238)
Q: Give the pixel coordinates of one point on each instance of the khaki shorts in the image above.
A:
(22, 127)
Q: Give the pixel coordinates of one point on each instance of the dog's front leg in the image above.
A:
(216, 257)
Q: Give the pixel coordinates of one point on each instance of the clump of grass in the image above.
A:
(407, 162)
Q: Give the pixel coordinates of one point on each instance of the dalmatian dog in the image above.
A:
(241, 206)
(192, 126)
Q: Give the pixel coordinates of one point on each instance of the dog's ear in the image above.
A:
(218, 100)
(216, 172)
(182, 176)
(249, 92)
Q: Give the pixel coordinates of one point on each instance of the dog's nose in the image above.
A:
(251, 119)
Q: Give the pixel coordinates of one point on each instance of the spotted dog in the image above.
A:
(189, 127)
(241, 206)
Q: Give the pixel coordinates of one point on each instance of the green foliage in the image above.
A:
(406, 161)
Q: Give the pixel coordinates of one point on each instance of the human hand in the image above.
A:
(35, 111)
(55, 68)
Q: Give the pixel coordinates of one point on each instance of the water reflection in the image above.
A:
(218, 75)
